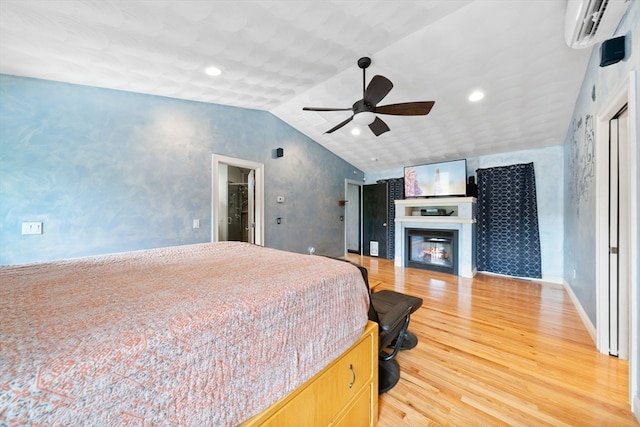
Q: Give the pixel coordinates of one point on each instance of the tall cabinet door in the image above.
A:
(375, 217)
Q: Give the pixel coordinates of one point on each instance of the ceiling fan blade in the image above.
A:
(339, 125)
(325, 109)
(378, 127)
(378, 88)
(406, 108)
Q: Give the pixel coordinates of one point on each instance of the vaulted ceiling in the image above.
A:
(281, 56)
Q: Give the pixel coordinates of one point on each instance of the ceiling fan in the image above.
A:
(365, 110)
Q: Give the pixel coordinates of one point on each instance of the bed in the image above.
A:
(212, 334)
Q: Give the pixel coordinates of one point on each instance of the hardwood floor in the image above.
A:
(497, 351)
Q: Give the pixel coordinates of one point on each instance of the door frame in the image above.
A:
(627, 94)
(216, 160)
(348, 182)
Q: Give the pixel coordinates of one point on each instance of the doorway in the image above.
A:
(375, 217)
(628, 190)
(619, 178)
(237, 200)
(240, 202)
(353, 217)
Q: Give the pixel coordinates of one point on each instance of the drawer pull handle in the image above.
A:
(353, 374)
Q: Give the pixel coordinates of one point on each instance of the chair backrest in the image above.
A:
(373, 314)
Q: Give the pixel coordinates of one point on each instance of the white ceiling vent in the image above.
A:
(588, 22)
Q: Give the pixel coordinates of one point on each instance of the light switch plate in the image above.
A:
(31, 228)
(280, 199)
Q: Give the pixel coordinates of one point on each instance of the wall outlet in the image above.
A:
(31, 228)
(373, 248)
(196, 223)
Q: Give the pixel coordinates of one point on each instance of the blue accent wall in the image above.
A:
(598, 86)
(111, 171)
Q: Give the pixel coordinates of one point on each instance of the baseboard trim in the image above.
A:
(553, 279)
(635, 407)
(546, 280)
(591, 329)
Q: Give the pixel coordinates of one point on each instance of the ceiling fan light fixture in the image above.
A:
(364, 118)
(364, 109)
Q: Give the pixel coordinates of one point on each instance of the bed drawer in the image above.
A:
(359, 412)
(342, 390)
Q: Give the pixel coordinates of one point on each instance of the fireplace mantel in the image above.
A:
(458, 213)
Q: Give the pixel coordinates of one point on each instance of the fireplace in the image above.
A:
(435, 250)
(460, 219)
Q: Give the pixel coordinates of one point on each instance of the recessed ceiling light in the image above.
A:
(355, 131)
(374, 159)
(213, 71)
(476, 96)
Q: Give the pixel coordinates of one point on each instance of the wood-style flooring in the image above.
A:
(497, 351)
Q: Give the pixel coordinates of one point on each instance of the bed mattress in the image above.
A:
(206, 334)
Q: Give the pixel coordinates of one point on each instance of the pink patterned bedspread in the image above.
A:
(196, 335)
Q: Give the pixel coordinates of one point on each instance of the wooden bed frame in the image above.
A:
(345, 393)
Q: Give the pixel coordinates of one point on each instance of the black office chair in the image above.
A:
(392, 312)
(385, 300)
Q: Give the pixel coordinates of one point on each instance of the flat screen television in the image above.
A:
(445, 179)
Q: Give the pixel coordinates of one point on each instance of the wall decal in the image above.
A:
(582, 161)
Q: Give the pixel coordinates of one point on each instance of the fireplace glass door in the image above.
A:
(432, 250)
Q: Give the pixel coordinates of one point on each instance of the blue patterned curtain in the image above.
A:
(395, 187)
(508, 236)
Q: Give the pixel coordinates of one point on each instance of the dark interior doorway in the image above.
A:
(375, 217)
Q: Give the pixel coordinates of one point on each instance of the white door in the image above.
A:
(619, 230)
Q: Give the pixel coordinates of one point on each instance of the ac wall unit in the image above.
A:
(588, 22)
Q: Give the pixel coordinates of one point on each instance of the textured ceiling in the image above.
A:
(280, 56)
